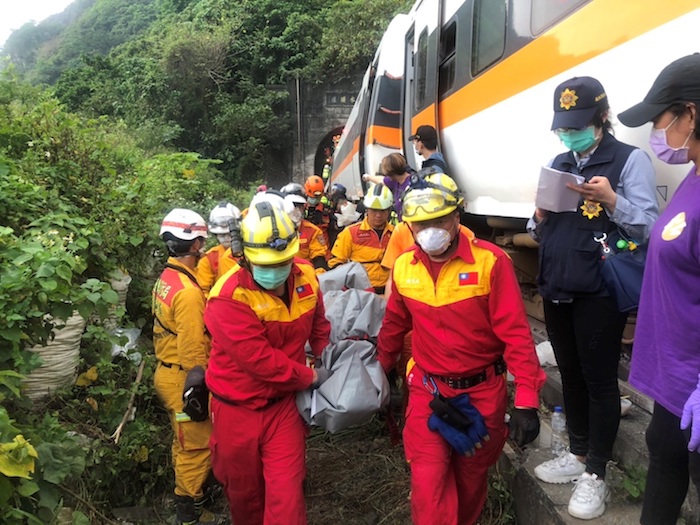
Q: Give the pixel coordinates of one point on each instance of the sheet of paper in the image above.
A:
(552, 193)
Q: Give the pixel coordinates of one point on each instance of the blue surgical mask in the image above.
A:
(578, 140)
(271, 277)
(664, 152)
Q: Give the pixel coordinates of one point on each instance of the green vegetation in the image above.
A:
(81, 200)
(156, 104)
(634, 482)
(207, 76)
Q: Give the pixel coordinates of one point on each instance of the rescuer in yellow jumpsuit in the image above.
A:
(366, 241)
(181, 343)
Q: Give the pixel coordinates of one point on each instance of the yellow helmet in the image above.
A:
(269, 235)
(430, 197)
(378, 197)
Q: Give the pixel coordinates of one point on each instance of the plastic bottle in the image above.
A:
(559, 437)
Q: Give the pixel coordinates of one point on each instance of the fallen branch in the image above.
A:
(117, 433)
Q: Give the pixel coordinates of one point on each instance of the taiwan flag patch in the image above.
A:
(468, 278)
(304, 291)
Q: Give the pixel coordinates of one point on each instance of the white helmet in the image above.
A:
(185, 225)
(291, 200)
(220, 217)
(378, 197)
(295, 199)
(293, 188)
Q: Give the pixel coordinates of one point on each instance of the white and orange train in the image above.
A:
(483, 73)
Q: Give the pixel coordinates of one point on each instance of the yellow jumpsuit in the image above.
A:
(181, 343)
(208, 268)
(360, 243)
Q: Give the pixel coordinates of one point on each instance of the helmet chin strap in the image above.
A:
(181, 255)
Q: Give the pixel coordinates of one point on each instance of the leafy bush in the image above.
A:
(82, 200)
(30, 477)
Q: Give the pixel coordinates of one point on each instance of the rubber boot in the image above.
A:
(207, 517)
(213, 490)
(185, 511)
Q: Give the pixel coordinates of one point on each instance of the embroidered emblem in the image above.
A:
(468, 278)
(304, 291)
(568, 99)
(591, 209)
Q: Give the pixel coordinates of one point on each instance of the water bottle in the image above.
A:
(559, 437)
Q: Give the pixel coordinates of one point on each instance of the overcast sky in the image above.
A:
(15, 13)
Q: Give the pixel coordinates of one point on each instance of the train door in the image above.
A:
(383, 125)
(407, 98)
(422, 45)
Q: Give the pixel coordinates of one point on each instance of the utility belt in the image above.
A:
(269, 402)
(169, 365)
(462, 383)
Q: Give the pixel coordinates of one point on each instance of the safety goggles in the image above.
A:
(219, 223)
(427, 200)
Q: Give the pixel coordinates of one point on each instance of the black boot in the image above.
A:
(185, 511)
(207, 517)
(213, 490)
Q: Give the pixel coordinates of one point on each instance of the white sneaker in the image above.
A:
(563, 469)
(589, 497)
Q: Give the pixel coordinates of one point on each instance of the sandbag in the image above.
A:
(59, 359)
(119, 281)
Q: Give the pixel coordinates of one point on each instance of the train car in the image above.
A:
(483, 72)
(373, 129)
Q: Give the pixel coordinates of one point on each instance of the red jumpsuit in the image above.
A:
(465, 313)
(257, 365)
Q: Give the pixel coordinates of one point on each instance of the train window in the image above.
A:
(489, 34)
(546, 12)
(421, 69)
(448, 47)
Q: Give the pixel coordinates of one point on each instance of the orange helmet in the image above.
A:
(314, 186)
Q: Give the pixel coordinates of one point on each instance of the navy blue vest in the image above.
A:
(569, 256)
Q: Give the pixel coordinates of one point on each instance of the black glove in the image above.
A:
(322, 375)
(524, 426)
(196, 395)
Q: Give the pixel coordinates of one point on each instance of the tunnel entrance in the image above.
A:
(325, 149)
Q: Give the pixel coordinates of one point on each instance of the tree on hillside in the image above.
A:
(352, 30)
(210, 76)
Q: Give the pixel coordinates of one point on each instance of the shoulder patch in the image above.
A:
(304, 291)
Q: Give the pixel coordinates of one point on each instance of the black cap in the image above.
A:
(576, 102)
(424, 133)
(678, 82)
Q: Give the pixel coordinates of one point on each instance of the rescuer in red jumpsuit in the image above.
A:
(260, 316)
(461, 298)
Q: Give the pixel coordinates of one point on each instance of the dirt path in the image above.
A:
(357, 477)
